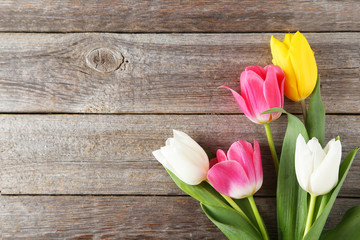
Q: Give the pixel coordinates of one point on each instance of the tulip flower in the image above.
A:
(237, 174)
(261, 89)
(317, 169)
(296, 58)
(184, 157)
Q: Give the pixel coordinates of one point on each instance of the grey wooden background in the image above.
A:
(88, 89)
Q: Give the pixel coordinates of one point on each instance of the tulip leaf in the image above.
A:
(202, 192)
(231, 223)
(291, 198)
(347, 229)
(318, 225)
(315, 121)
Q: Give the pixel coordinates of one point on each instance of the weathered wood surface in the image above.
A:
(111, 154)
(149, 73)
(178, 16)
(123, 217)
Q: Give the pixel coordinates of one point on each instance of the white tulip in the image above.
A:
(317, 169)
(184, 157)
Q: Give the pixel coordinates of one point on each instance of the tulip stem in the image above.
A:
(303, 108)
(258, 218)
(236, 207)
(272, 147)
(310, 214)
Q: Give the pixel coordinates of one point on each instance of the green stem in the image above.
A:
(272, 147)
(310, 214)
(303, 108)
(258, 218)
(236, 207)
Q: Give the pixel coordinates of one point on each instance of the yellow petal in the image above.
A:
(304, 65)
(287, 39)
(278, 50)
(281, 58)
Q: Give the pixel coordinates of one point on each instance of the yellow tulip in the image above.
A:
(296, 58)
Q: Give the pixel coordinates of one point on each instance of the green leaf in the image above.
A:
(318, 225)
(347, 229)
(202, 192)
(315, 121)
(232, 224)
(291, 198)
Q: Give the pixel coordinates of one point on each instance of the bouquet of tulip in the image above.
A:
(309, 177)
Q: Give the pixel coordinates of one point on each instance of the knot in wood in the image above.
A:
(104, 59)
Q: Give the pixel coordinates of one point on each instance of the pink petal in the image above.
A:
(271, 88)
(221, 155)
(257, 69)
(280, 76)
(241, 102)
(252, 91)
(242, 152)
(257, 165)
(272, 91)
(229, 178)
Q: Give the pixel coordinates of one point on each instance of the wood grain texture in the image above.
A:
(111, 154)
(178, 16)
(149, 73)
(107, 217)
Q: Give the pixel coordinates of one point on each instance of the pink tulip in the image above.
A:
(261, 89)
(237, 174)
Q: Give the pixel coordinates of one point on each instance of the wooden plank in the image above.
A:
(178, 16)
(112, 73)
(111, 154)
(106, 217)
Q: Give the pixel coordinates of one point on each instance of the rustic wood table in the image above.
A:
(88, 89)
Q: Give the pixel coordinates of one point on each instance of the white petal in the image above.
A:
(195, 157)
(186, 139)
(317, 151)
(303, 163)
(160, 157)
(325, 177)
(242, 192)
(167, 143)
(183, 167)
(326, 149)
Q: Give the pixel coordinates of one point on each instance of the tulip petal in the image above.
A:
(303, 163)
(257, 165)
(252, 90)
(258, 70)
(187, 140)
(221, 155)
(190, 154)
(318, 153)
(161, 158)
(242, 152)
(303, 60)
(287, 39)
(325, 177)
(183, 167)
(271, 88)
(280, 53)
(242, 103)
(229, 178)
